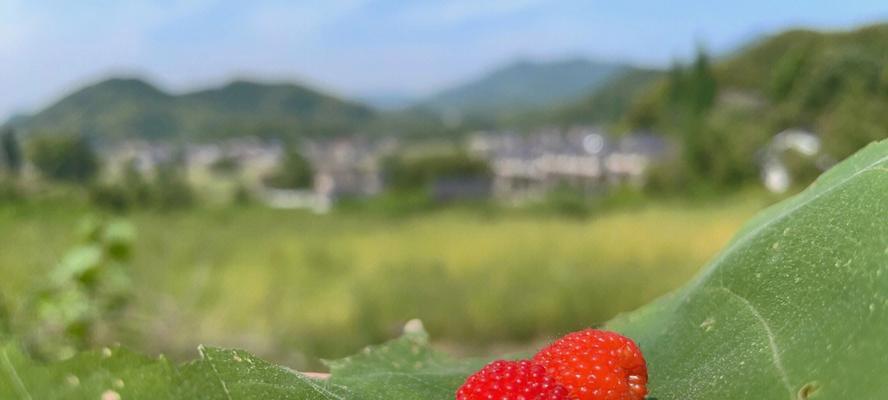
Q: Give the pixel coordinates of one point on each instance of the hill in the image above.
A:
(387, 100)
(609, 102)
(524, 85)
(127, 107)
(519, 95)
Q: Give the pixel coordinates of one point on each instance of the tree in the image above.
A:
(703, 87)
(694, 96)
(787, 72)
(67, 157)
(294, 172)
(171, 188)
(11, 151)
(416, 173)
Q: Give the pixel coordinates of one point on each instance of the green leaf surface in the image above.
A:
(795, 307)
(406, 369)
(233, 374)
(91, 375)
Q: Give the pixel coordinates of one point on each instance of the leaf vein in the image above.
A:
(204, 354)
(23, 391)
(753, 234)
(769, 333)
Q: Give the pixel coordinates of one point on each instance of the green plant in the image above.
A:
(65, 157)
(113, 197)
(88, 289)
(171, 189)
(228, 270)
(226, 165)
(11, 152)
(10, 190)
(5, 323)
(411, 173)
(295, 172)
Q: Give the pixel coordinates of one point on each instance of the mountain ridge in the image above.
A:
(126, 107)
(524, 84)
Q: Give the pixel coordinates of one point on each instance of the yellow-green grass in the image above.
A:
(294, 286)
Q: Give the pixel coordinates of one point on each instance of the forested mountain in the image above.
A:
(125, 108)
(833, 84)
(525, 85)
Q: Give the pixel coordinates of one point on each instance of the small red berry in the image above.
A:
(596, 365)
(511, 380)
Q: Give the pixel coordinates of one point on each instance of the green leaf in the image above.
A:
(795, 307)
(405, 369)
(119, 374)
(233, 374)
(86, 376)
(79, 262)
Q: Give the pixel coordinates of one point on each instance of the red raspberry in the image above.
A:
(596, 365)
(511, 380)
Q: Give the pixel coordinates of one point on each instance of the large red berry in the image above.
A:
(511, 380)
(596, 365)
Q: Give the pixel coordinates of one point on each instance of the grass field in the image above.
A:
(293, 286)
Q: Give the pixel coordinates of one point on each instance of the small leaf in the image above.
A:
(77, 263)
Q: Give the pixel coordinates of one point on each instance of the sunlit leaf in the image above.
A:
(796, 306)
(405, 369)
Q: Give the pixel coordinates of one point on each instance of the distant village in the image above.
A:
(523, 166)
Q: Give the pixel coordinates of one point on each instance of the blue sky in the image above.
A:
(356, 47)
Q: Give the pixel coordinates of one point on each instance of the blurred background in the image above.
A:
(299, 179)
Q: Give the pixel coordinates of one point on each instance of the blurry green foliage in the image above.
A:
(64, 157)
(567, 201)
(10, 190)
(406, 173)
(608, 104)
(833, 84)
(138, 188)
(5, 321)
(11, 152)
(85, 293)
(575, 203)
(295, 286)
(171, 188)
(225, 165)
(110, 196)
(294, 172)
(786, 73)
(167, 190)
(242, 195)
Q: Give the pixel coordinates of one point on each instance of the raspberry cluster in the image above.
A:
(586, 365)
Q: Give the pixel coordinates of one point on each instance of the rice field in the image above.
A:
(294, 286)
